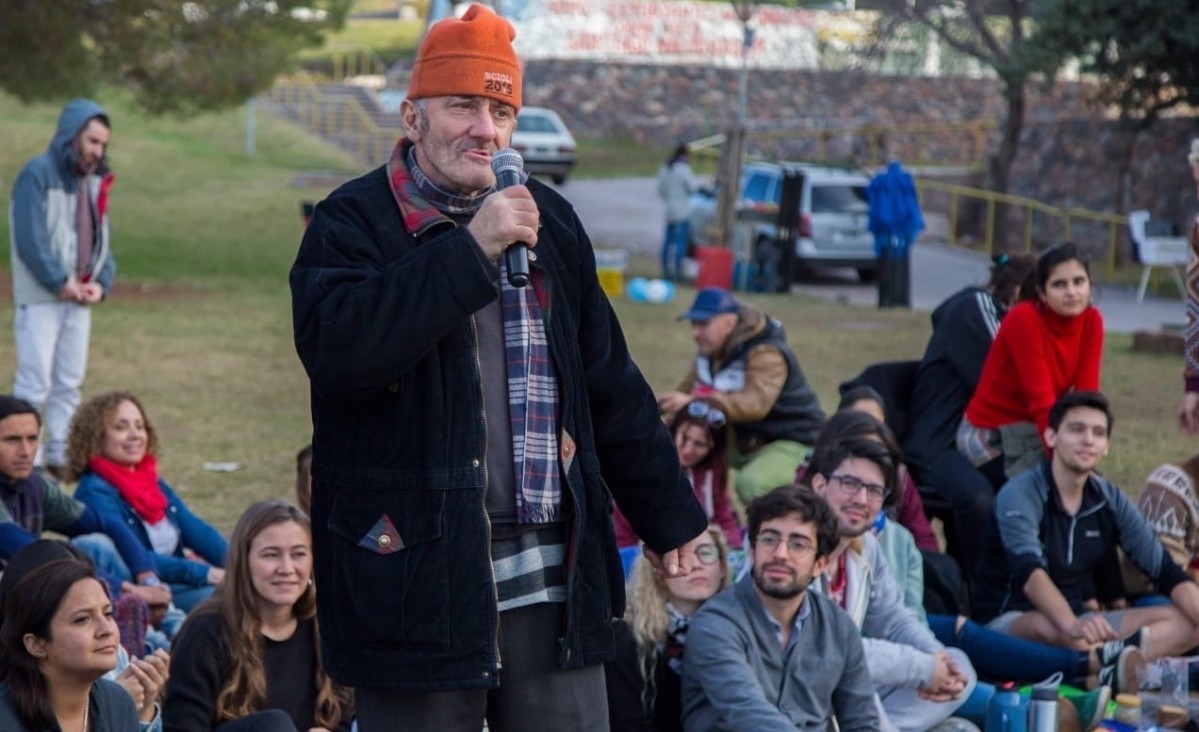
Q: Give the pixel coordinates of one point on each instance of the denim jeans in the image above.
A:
(678, 234)
(1002, 657)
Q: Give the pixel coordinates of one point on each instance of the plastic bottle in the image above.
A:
(1008, 710)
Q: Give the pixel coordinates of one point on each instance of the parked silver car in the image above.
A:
(833, 214)
(543, 141)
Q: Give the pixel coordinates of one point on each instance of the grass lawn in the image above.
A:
(200, 324)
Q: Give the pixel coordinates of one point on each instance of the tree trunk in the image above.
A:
(1001, 162)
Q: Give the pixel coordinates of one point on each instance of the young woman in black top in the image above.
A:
(249, 658)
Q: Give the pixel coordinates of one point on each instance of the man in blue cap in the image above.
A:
(745, 369)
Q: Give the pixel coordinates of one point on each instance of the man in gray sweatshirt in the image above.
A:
(766, 654)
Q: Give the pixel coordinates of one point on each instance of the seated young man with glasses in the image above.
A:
(919, 682)
(766, 654)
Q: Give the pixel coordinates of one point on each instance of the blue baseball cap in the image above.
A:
(710, 302)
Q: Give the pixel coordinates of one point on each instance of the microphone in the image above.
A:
(507, 165)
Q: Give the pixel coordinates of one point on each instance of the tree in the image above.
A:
(994, 33)
(1145, 53)
(177, 57)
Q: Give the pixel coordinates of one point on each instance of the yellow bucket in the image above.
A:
(610, 266)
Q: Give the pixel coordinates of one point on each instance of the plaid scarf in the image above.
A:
(532, 381)
(676, 638)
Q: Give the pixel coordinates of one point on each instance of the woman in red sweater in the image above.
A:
(1046, 346)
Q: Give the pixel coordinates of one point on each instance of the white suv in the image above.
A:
(833, 214)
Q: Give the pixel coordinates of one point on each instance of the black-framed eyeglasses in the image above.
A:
(850, 485)
(768, 541)
(708, 554)
(703, 410)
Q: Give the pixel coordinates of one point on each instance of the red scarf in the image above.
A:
(137, 485)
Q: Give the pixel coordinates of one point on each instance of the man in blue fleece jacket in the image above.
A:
(1053, 525)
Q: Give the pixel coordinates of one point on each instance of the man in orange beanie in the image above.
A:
(469, 436)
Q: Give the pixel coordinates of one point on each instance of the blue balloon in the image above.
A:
(637, 289)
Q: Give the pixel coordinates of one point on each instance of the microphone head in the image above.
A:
(507, 160)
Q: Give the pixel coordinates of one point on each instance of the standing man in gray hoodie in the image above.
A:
(61, 265)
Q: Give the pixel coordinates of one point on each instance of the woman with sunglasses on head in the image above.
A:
(644, 680)
(248, 659)
(57, 642)
(700, 435)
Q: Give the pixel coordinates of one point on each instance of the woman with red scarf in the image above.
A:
(111, 452)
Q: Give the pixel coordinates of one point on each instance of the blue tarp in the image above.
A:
(895, 217)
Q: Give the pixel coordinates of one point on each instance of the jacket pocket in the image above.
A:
(390, 566)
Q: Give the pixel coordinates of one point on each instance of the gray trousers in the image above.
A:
(535, 694)
(902, 709)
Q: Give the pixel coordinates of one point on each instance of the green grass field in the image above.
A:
(199, 326)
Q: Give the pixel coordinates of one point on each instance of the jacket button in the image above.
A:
(393, 387)
(384, 541)
(532, 256)
(486, 674)
(475, 463)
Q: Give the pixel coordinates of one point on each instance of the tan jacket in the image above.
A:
(765, 372)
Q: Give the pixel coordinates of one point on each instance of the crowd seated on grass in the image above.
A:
(227, 671)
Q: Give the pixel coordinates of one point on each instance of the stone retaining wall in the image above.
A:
(1069, 153)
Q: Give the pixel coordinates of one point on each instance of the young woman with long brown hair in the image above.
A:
(249, 657)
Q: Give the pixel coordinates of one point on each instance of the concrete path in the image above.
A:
(627, 213)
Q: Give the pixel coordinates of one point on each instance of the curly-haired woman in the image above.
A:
(112, 451)
(249, 657)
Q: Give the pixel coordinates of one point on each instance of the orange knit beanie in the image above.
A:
(468, 56)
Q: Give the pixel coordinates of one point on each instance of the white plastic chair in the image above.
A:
(1171, 252)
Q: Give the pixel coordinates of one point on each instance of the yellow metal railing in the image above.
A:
(334, 117)
(1064, 220)
(960, 144)
(350, 61)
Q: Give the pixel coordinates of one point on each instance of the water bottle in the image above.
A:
(1043, 706)
(1007, 710)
